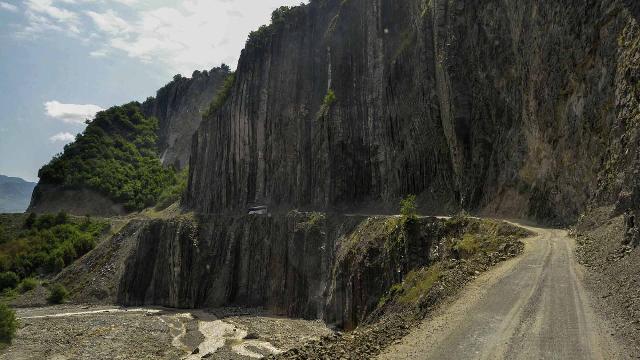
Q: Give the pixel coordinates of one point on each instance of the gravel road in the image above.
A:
(530, 307)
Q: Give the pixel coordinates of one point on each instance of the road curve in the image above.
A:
(530, 307)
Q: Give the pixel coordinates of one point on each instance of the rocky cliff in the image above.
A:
(311, 265)
(179, 106)
(513, 108)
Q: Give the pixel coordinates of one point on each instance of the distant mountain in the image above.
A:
(15, 194)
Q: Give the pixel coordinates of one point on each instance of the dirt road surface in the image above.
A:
(531, 307)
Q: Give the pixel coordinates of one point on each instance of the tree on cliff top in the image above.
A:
(117, 156)
(408, 207)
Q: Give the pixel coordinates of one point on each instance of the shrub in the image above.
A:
(408, 207)
(57, 294)
(27, 285)
(329, 99)
(8, 324)
(8, 280)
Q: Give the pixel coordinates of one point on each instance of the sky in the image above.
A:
(61, 61)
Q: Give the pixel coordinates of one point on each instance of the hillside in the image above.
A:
(15, 194)
(130, 154)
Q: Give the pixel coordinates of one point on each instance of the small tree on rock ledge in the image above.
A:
(408, 207)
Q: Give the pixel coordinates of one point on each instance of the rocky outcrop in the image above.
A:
(311, 265)
(505, 108)
(179, 106)
(294, 265)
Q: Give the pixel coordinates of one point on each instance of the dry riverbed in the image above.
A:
(100, 332)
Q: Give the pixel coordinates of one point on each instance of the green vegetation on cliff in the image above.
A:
(279, 19)
(117, 156)
(41, 245)
(174, 192)
(222, 95)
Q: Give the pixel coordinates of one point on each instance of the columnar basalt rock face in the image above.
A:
(294, 265)
(507, 108)
(179, 107)
(253, 261)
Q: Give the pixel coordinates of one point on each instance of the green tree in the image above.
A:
(408, 207)
(8, 324)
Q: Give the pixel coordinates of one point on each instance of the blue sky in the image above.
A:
(63, 60)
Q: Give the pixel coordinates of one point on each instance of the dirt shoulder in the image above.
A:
(612, 274)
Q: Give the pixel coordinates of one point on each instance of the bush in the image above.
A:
(408, 207)
(27, 285)
(329, 99)
(57, 294)
(8, 324)
(8, 280)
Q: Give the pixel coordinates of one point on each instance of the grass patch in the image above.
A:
(382, 231)
(474, 236)
(314, 220)
(27, 284)
(418, 283)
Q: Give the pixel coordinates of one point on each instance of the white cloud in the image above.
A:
(109, 22)
(64, 137)
(193, 34)
(179, 35)
(99, 53)
(44, 15)
(46, 7)
(71, 113)
(8, 7)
